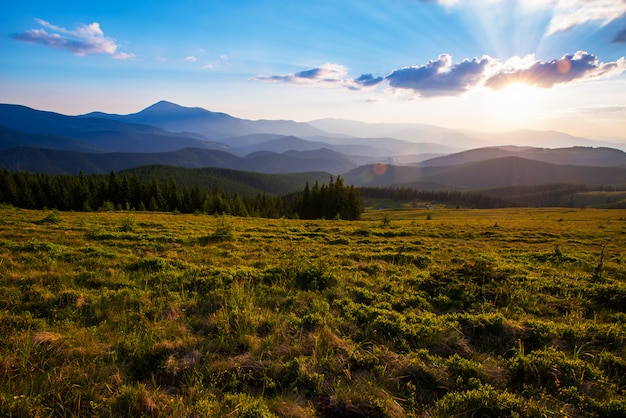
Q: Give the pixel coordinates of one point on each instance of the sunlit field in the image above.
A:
(439, 312)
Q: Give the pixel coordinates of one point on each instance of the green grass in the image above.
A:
(437, 312)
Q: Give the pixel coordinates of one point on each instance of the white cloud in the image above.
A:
(604, 110)
(212, 64)
(123, 56)
(84, 40)
(566, 14)
(332, 75)
(446, 3)
(570, 13)
(191, 58)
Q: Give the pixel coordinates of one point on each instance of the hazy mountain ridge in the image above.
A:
(132, 133)
(586, 156)
(105, 134)
(283, 144)
(410, 132)
(497, 172)
(165, 118)
(49, 161)
(211, 125)
(540, 139)
(245, 136)
(48, 142)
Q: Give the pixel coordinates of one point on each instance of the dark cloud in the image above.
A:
(368, 80)
(620, 37)
(570, 67)
(310, 74)
(440, 77)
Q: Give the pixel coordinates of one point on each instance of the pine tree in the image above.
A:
(157, 201)
(238, 207)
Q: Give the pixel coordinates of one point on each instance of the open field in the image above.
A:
(403, 313)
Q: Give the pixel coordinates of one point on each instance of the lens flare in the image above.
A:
(564, 66)
(380, 169)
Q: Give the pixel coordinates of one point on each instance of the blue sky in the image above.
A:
(486, 65)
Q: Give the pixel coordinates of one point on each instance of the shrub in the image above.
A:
(551, 369)
(138, 400)
(127, 224)
(485, 401)
(423, 380)
(243, 406)
(223, 232)
(297, 374)
(611, 296)
(314, 277)
(403, 259)
(150, 265)
(51, 218)
(364, 398)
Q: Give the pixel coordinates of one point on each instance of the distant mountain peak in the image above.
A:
(164, 110)
(164, 106)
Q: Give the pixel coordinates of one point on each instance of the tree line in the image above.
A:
(329, 201)
(454, 197)
(129, 192)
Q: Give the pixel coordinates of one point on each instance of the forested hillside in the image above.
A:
(131, 192)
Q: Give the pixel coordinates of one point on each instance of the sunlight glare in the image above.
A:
(514, 105)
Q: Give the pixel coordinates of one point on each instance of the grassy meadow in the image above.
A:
(430, 313)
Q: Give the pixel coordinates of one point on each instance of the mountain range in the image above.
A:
(415, 155)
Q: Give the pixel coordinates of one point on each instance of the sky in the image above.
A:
(480, 65)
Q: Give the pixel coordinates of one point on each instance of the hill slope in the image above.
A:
(11, 138)
(587, 156)
(69, 162)
(497, 172)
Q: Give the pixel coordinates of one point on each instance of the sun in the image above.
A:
(514, 106)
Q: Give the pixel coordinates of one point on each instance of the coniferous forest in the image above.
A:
(86, 193)
(231, 192)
